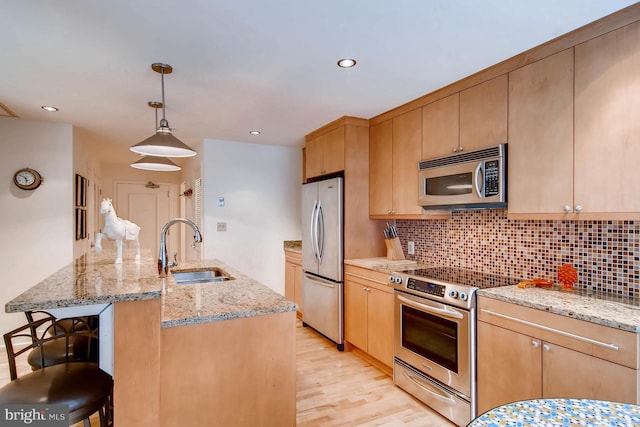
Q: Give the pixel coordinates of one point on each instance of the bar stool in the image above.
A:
(82, 386)
(56, 351)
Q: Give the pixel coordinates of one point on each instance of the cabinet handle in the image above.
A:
(460, 149)
(535, 344)
(455, 149)
(578, 208)
(555, 331)
(546, 347)
(566, 208)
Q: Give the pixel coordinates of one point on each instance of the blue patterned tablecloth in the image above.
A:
(561, 412)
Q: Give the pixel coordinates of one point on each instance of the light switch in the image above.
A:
(221, 226)
(220, 203)
(411, 248)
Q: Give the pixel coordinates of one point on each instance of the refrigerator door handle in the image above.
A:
(321, 282)
(320, 233)
(312, 230)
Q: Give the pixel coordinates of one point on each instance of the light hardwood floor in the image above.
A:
(335, 389)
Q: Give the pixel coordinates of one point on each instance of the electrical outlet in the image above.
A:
(411, 248)
(221, 226)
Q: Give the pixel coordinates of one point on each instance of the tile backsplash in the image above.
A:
(606, 254)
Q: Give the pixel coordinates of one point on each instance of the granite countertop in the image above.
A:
(617, 312)
(210, 302)
(383, 264)
(293, 245)
(95, 279)
(561, 412)
(620, 313)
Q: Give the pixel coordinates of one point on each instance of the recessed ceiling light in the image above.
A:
(49, 108)
(346, 63)
(254, 132)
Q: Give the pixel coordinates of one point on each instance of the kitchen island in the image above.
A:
(219, 353)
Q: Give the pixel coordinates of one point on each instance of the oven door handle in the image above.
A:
(442, 311)
(426, 387)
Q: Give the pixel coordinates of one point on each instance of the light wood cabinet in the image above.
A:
(324, 154)
(407, 152)
(483, 114)
(551, 356)
(368, 312)
(468, 120)
(607, 128)
(395, 148)
(573, 135)
(441, 127)
(293, 277)
(541, 136)
(380, 169)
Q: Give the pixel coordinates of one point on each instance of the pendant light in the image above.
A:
(155, 163)
(163, 143)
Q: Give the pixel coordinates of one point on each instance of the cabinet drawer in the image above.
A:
(604, 342)
(363, 276)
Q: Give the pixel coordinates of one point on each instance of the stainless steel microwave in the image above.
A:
(471, 180)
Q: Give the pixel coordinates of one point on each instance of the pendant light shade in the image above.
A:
(163, 143)
(155, 163)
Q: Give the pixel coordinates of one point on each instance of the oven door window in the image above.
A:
(431, 337)
(449, 185)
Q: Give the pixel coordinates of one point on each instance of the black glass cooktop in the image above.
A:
(458, 276)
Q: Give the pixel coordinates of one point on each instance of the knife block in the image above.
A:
(394, 249)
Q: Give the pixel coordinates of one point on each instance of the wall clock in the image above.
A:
(27, 179)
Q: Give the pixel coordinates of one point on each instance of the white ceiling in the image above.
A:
(240, 65)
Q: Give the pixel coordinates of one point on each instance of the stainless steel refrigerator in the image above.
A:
(322, 258)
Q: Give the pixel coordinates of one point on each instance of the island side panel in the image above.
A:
(136, 376)
(230, 373)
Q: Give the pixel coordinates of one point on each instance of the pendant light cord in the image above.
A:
(163, 104)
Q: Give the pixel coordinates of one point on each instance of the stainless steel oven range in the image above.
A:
(435, 336)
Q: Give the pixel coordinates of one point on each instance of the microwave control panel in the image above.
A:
(491, 178)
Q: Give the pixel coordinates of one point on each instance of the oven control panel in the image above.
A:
(426, 287)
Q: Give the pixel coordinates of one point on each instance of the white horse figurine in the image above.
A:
(117, 229)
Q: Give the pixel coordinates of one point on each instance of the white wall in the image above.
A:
(261, 185)
(36, 227)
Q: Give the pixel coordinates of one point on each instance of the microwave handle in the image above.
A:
(476, 182)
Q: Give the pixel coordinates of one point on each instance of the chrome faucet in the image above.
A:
(163, 261)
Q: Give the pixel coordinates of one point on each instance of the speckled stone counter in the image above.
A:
(95, 279)
(618, 313)
(210, 302)
(293, 245)
(382, 264)
(560, 412)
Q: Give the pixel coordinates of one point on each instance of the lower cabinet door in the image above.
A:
(355, 314)
(509, 367)
(380, 331)
(568, 373)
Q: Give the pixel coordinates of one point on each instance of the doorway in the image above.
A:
(150, 205)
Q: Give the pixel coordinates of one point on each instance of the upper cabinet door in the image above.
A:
(440, 127)
(325, 153)
(313, 158)
(540, 150)
(483, 114)
(380, 168)
(407, 153)
(607, 122)
(333, 146)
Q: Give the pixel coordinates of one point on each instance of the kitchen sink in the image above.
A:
(210, 275)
